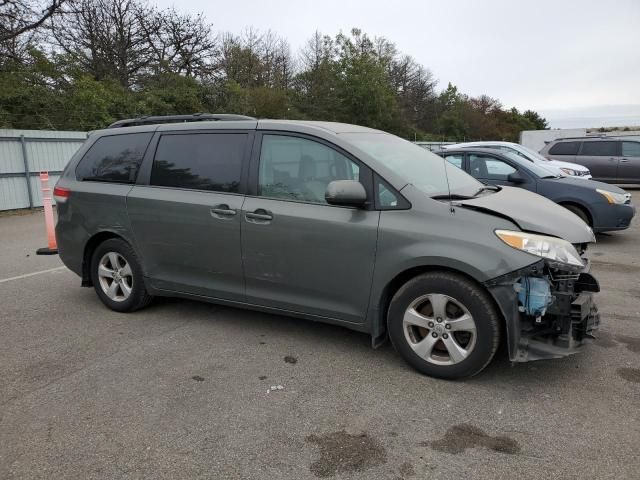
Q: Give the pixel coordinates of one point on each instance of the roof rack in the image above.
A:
(195, 117)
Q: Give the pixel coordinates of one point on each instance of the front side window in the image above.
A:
(114, 158)
(631, 149)
(386, 197)
(565, 148)
(485, 167)
(599, 149)
(294, 168)
(200, 161)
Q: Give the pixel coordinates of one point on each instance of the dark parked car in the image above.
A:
(610, 159)
(602, 206)
(329, 222)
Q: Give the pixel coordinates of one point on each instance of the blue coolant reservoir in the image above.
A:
(534, 295)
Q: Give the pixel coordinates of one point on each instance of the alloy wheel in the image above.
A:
(439, 329)
(115, 276)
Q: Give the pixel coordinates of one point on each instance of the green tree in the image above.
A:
(365, 94)
(538, 121)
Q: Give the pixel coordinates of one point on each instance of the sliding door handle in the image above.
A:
(259, 214)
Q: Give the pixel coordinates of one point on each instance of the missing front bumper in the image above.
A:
(568, 323)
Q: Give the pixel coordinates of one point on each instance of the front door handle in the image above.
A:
(222, 211)
(624, 160)
(260, 214)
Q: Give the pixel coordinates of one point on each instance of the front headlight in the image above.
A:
(569, 171)
(612, 197)
(554, 249)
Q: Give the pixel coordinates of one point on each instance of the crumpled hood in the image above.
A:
(533, 213)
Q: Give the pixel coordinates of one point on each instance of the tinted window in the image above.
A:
(299, 169)
(455, 159)
(565, 148)
(599, 149)
(490, 168)
(200, 161)
(115, 158)
(631, 149)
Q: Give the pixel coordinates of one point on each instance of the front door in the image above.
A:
(629, 166)
(300, 253)
(186, 220)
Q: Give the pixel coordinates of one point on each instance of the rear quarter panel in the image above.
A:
(93, 207)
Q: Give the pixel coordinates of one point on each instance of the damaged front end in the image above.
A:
(548, 308)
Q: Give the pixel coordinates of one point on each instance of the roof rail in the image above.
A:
(599, 135)
(195, 117)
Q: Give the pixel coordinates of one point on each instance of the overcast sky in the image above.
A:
(564, 58)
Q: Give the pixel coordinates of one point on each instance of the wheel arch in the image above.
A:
(579, 205)
(90, 247)
(379, 320)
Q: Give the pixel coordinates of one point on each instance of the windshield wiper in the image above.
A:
(452, 196)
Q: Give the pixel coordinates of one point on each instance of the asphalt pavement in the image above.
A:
(193, 390)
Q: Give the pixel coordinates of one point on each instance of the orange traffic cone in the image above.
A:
(52, 246)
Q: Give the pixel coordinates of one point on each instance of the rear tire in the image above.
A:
(444, 325)
(580, 212)
(117, 276)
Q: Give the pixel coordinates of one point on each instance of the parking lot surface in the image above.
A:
(184, 390)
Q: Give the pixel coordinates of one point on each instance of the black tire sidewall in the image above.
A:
(138, 291)
(473, 297)
(579, 212)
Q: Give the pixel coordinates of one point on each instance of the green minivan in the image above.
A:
(330, 222)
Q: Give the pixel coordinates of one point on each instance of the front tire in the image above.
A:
(117, 276)
(444, 325)
(580, 212)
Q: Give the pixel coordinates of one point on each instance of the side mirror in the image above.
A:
(348, 193)
(516, 177)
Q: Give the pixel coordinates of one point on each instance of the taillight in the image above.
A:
(60, 194)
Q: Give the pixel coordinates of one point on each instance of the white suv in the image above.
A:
(557, 167)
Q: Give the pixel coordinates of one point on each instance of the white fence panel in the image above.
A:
(13, 193)
(11, 156)
(44, 150)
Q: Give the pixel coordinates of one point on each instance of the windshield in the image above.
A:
(532, 153)
(538, 170)
(416, 165)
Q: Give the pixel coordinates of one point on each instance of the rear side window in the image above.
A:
(200, 161)
(115, 158)
(631, 149)
(565, 148)
(599, 149)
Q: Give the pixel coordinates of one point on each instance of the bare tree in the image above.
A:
(277, 63)
(108, 38)
(18, 17)
(248, 59)
(182, 44)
